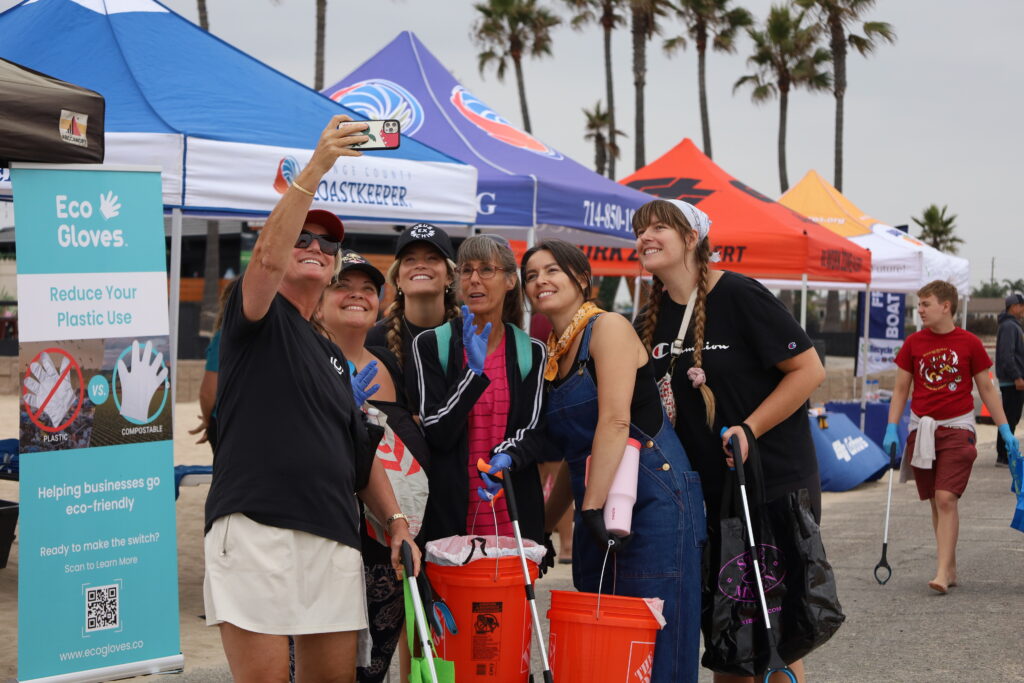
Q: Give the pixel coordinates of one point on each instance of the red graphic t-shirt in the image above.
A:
(943, 366)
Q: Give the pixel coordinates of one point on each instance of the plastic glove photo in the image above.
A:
(138, 384)
(43, 381)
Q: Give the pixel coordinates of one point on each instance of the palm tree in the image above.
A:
(708, 19)
(786, 56)
(604, 12)
(211, 256)
(836, 17)
(938, 229)
(1014, 285)
(599, 130)
(644, 16)
(509, 29)
(321, 27)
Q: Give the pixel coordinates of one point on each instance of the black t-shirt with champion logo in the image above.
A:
(748, 331)
(288, 427)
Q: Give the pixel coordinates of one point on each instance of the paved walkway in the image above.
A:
(901, 632)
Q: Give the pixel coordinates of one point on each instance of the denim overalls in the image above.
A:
(663, 559)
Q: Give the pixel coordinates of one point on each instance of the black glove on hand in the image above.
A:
(594, 519)
(549, 557)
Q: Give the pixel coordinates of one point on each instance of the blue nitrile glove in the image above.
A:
(499, 462)
(361, 380)
(892, 438)
(475, 344)
(1012, 445)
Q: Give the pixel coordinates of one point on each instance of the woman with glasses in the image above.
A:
(601, 392)
(282, 523)
(423, 280)
(348, 312)
(480, 385)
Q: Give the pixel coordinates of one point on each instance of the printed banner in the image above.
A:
(97, 576)
(885, 332)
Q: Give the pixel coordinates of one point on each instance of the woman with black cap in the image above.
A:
(282, 523)
(348, 311)
(423, 279)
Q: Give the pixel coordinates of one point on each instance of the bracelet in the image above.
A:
(301, 189)
(392, 518)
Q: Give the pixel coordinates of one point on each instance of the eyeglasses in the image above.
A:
(328, 245)
(485, 272)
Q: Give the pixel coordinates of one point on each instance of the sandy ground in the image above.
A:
(851, 527)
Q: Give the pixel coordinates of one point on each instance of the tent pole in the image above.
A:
(865, 346)
(967, 300)
(637, 284)
(175, 302)
(803, 301)
(531, 242)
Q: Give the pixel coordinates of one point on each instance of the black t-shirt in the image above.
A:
(378, 336)
(405, 428)
(748, 331)
(288, 428)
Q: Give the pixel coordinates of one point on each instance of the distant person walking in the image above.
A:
(941, 361)
(1010, 366)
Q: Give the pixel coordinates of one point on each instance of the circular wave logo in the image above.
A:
(736, 579)
(495, 125)
(377, 98)
(287, 170)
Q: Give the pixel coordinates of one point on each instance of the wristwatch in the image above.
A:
(392, 518)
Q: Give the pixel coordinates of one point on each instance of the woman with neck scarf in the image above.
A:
(602, 392)
(480, 382)
(743, 360)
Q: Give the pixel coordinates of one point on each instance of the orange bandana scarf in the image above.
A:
(557, 349)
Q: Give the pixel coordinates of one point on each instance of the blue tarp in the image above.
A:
(846, 457)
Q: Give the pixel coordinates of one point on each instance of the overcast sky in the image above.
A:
(933, 119)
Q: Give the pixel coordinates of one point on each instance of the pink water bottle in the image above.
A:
(618, 508)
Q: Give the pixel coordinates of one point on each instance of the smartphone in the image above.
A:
(384, 134)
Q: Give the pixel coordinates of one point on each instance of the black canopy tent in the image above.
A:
(46, 120)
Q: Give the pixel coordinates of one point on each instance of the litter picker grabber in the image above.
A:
(883, 568)
(775, 663)
(513, 515)
(421, 617)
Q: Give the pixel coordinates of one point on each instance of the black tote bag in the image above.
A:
(799, 584)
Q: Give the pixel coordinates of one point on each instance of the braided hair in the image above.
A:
(670, 215)
(394, 317)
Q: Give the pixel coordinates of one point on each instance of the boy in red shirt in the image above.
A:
(942, 360)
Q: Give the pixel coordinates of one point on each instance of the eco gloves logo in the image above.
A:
(75, 235)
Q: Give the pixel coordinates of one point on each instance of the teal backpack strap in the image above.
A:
(443, 334)
(523, 352)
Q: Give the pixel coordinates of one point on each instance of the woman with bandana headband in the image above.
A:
(744, 361)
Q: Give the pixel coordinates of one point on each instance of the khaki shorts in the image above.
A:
(278, 581)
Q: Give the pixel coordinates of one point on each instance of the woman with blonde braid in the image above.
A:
(423, 279)
(744, 360)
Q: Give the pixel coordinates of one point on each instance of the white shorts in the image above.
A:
(278, 581)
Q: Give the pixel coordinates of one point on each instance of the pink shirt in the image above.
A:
(487, 423)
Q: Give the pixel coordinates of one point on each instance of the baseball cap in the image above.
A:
(327, 220)
(350, 260)
(425, 232)
(1014, 299)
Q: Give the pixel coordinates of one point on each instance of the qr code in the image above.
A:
(102, 607)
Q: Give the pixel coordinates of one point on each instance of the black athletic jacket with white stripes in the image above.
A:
(446, 399)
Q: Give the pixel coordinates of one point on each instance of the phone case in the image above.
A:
(384, 134)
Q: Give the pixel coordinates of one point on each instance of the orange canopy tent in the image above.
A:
(753, 234)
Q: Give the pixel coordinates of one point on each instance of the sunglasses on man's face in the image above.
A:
(328, 245)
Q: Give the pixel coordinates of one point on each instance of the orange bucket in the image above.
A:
(617, 647)
(493, 618)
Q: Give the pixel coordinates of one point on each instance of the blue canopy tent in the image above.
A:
(523, 182)
(228, 131)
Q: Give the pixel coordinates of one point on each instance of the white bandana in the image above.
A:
(697, 219)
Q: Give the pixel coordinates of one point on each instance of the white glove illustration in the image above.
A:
(39, 386)
(139, 384)
(109, 206)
